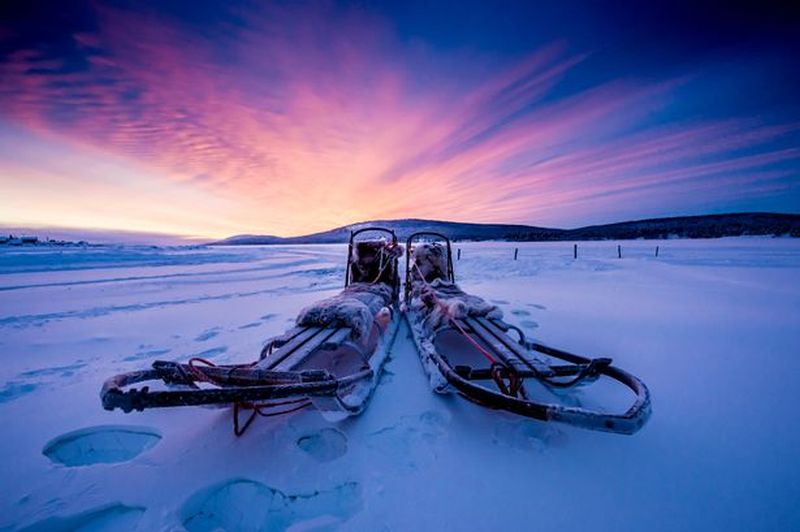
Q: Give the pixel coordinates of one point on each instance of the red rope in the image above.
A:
(514, 387)
(257, 408)
(197, 372)
(452, 320)
(473, 341)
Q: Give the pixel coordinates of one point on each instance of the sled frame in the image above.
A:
(516, 357)
(273, 377)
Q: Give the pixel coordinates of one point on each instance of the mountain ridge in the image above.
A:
(699, 226)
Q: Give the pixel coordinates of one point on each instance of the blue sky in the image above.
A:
(190, 117)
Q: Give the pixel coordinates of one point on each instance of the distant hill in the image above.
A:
(403, 228)
(707, 226)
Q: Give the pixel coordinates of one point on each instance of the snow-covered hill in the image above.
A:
(708, 226)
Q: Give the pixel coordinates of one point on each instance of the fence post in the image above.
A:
(575, 251)
(458, 254)
(656, 251)
(516, 252)
(619, 251)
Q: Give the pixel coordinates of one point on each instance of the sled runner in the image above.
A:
(331, 359)
(464, 345)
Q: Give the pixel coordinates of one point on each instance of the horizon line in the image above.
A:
(200, 239)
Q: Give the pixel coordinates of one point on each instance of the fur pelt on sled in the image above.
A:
(431, 260)
(355, 307)
(375, 261)
(436, 300)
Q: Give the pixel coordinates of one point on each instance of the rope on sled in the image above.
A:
(514, 386)
(262, 409)
(259, 409)
(385, 260)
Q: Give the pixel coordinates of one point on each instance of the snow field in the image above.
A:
(710, 326)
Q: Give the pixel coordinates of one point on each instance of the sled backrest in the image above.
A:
(374, 260)
(431, 258)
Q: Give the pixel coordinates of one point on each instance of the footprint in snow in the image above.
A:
(15, 389)
(28, 381)
(527, 435)
(102, 444)
(399, 440)
(211, 353)
(60, 371)
(520, 312)
(433, 422)
(529, 324)
(116, 516)
(153, 353)
(325, 445)
(499, 301)
(243, 504)
(535, 305)
(386, 376)
(208, 334)
(261, 321)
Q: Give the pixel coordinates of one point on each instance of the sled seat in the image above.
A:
(506, 348)
(518, 356)
(330, 360)
(291, 354)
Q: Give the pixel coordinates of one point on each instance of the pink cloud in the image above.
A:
(309, 118)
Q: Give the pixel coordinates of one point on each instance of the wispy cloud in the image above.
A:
(306, 118)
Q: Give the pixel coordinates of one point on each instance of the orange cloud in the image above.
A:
(304, 119)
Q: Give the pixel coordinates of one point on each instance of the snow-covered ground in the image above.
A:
(713, 328)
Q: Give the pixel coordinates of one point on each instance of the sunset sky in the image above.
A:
(221, 118)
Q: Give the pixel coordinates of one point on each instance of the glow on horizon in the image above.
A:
(286, 129)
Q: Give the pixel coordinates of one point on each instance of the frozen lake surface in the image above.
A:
(712, 327)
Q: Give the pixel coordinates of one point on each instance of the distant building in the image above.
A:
(24, 240)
